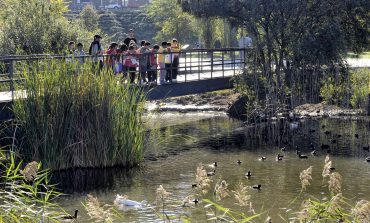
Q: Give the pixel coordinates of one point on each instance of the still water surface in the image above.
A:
(185, 140)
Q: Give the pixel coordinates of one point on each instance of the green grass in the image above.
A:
(78, 121)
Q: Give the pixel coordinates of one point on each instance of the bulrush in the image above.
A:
(241, 195)
(305, 177)
(327, 166)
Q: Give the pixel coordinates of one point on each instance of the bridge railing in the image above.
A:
(194, 65)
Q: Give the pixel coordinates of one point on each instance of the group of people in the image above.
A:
(141, 63)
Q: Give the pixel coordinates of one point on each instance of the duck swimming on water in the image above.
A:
(212, 173)
(257, 187)
(70, 216)
(262, 158)
(248, 174)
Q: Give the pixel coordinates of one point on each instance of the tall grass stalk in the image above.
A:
(74, 117)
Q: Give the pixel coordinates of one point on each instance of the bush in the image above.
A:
(84, 120)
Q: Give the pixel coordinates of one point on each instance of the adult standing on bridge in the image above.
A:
(96, 50)
(131, 37)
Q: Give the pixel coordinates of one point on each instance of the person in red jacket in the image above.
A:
(111, 55)
(153, 64)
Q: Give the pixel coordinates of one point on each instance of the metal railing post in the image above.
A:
(11, 77)
(211, 64)
(185, 66)
(223, 63)
(199, 65)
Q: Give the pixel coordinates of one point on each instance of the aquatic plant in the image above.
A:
(97, 211)
(74, 116)
(221, 191)
(305, 177)
(241, 195)
(202, 180)
(27, 195)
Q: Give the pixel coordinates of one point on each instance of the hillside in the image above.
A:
(117, 23)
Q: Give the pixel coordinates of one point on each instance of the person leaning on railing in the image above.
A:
(168, 60)
(153, 64)
(175, 46)
(161, 63)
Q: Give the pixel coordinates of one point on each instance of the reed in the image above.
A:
(75, 117)
(27, 195)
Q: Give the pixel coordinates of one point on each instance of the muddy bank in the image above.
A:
(219, 101)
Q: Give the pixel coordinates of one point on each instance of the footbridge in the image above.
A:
(199, 71)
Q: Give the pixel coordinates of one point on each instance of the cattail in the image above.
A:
(361, 211)
(221, 190)
(335, 183)
(305, 177)
(202, 180)
(241, 195)
(30, 171)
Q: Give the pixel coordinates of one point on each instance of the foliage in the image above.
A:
(335, 89)
(295, 42)
(173, 22)
(38, 26)
(23, 199)
(90, 18)
(84, 120)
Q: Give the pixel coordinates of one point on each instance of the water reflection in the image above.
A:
(176, 150)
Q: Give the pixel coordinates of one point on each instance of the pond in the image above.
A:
(185, 140)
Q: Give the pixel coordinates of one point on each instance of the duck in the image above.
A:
(302, 156)
(282, 149)
(212, 173)
(262, 158)
(239, 162)
(194, 185)
(366, 148)
(248, 174)
(213, 165)
(332, 169)
(368, 159)
(279, 157)
(195, 201)
(257, 187)
(122, 200)
(70, 216)
(313, 153)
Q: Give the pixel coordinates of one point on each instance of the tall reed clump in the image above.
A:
(74, 117)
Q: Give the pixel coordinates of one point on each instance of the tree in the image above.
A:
(293, 39)
(89, 18)
(38, 26)
(173, 22)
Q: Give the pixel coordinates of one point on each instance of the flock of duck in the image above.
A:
(280, 156)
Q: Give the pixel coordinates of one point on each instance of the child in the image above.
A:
(176, 59)
(161, 62)
(131, 62)
(120, 58)
(152, 67)
(80, 53)
(168, 60)
(70, 51)
(111, 55)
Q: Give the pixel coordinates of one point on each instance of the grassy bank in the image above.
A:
(78, 120)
